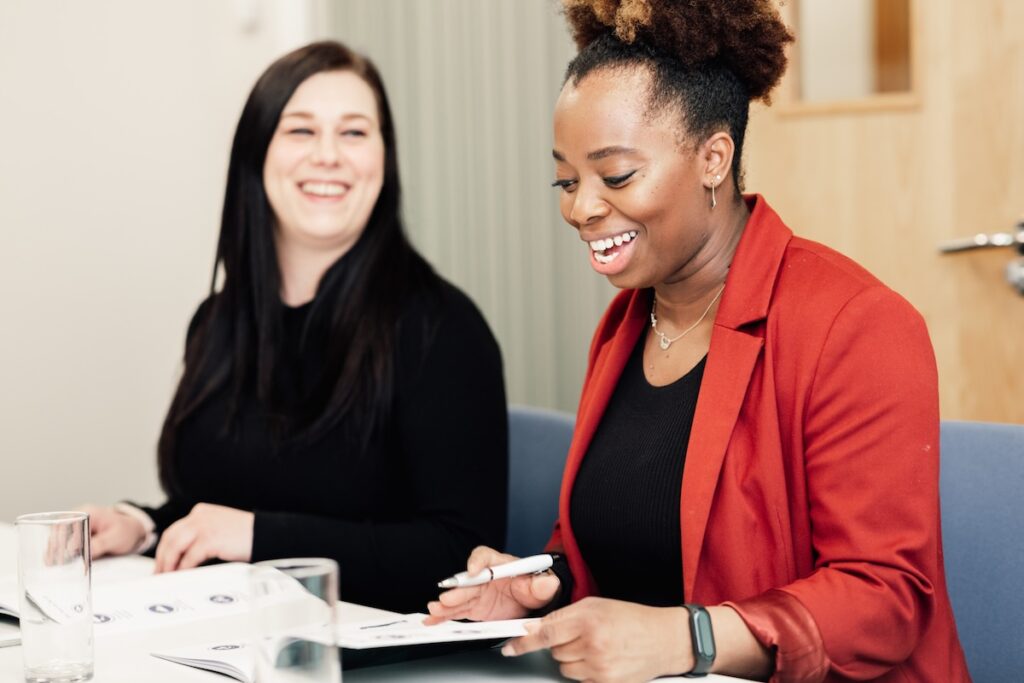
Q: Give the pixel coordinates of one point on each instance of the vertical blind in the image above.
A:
(472, 84)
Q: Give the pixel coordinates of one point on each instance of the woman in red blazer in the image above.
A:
(758, 435)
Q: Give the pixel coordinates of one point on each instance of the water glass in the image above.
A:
(294, 606)
(54, 596)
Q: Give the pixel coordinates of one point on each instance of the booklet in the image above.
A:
(123, 600)
(10, 634)
(228, 659)
(237, 660)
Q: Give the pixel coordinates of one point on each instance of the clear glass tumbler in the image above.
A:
(55, 596)
(294, 606)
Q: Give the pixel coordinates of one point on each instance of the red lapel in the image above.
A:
(736, 344)
(732, 358)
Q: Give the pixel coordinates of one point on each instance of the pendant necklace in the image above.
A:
(666, 341)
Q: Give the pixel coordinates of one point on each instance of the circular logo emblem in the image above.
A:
(161, 609)
(222, 599)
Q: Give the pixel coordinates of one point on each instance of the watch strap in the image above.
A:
(703, 639)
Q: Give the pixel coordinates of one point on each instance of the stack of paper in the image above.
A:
(229, 659)
(238, 660)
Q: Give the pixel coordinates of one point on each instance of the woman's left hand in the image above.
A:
(603, 640)
(207, 532)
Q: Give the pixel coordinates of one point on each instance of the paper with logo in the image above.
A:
(128, 604)
(237, 660)
(408, 629)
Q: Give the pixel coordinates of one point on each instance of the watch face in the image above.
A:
(703, 638)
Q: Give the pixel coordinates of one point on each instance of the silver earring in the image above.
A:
(714, 202)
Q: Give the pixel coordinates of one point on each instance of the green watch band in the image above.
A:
(703, 639)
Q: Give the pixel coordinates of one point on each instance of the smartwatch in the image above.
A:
(703, 639)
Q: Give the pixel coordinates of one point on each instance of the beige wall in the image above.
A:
(115, 122)
(836, 48)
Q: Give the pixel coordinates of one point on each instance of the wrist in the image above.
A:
(144, 536)
(676, 637)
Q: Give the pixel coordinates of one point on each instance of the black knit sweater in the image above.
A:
(625, 500)
(397, 518)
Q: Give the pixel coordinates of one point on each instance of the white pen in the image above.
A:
(535, 564)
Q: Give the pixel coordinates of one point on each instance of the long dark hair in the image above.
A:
(236, 339)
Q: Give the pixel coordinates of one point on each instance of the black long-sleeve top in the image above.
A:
(403, 514)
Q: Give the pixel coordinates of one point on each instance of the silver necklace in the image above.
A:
(665, 340)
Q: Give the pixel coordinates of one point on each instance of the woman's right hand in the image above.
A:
(511, 598)
(113, 532)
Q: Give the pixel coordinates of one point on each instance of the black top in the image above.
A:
(625, 500)
(397, 518)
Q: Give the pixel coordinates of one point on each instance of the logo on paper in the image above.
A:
(222, 599)
(100, 618)
(226, 647)
(161, 609)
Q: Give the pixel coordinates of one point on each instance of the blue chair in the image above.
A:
(538, 443)
(982, 486)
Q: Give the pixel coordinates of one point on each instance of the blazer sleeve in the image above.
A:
(871, 440)
(451, 424)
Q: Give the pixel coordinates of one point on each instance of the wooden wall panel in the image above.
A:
(886, 186)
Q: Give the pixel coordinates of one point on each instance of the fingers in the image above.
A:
(193, 557)
(552, 631)
(573, 651)
(533, 592)
(100, 545)
(439, 613)
(457, 597)
(457, 603)
(483, 557)
(575, 671)
(173, 544)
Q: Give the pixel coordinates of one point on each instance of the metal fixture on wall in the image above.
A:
(1014, 269)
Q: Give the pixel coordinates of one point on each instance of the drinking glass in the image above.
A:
(54, 596)
(293, 601)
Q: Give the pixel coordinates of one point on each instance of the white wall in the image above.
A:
(116, 118)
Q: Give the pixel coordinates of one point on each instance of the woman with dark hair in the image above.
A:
(339, 398)
(752, 487)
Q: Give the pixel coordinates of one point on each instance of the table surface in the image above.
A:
(126, 656)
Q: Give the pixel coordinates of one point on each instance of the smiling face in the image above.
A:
(325, 164)
(636, 195)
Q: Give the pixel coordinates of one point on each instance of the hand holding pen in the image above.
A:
(496, 586)
(535, 564)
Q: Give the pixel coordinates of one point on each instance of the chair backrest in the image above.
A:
(982, 487)
(538, 444)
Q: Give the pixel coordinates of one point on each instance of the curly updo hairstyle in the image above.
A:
(708, 58)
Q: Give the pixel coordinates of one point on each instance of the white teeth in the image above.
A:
(323, 189)
(609, 242)
(601, 258)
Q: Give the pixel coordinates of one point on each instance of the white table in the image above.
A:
(125, 657)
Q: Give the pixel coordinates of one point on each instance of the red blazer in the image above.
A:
(812, 466)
